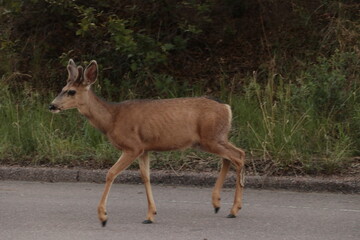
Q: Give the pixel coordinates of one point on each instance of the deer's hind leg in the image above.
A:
(237, 157)
(144, 163)
(219, 183)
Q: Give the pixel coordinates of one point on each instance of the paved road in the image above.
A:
(31, 210)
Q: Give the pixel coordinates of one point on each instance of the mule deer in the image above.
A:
(139, 126)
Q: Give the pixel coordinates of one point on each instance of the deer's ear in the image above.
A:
(90, 73)
(80, 77)
(72, 71)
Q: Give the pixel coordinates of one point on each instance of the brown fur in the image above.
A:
(139, 126)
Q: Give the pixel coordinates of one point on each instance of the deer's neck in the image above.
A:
(98, 112)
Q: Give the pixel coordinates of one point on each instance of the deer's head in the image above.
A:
(75, 92)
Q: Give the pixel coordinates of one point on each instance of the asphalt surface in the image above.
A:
(34, 210)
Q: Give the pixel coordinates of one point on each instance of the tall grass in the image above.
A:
(32, 135)
(309, 124)
(281, 138)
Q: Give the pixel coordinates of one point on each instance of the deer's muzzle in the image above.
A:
(54, 108)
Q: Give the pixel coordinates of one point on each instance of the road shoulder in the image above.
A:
(207, 179)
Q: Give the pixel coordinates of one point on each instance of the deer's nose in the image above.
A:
(53, 107)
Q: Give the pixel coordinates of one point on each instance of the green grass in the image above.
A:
(32, 135)
(307, 128)
(282, 127)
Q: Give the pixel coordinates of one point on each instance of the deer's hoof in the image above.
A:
(217, 209)
(147, 222)
(103, 223)
(231, 216)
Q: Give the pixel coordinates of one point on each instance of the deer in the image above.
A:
(137, 127)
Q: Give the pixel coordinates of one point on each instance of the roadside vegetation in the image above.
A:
(290, 71)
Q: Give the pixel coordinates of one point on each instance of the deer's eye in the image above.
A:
(71, 92)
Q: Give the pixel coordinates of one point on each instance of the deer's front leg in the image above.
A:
(124, 161)
(145, 175)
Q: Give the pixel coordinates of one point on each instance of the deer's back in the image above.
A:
(170, 123)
